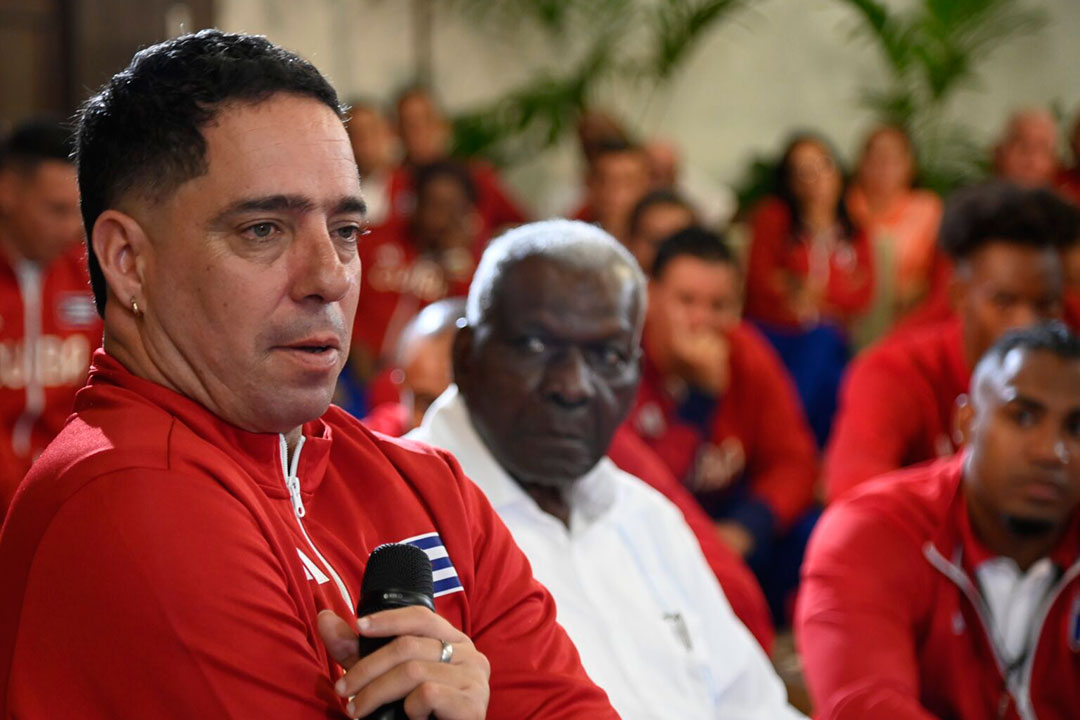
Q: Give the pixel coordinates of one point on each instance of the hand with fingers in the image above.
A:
(428, 662)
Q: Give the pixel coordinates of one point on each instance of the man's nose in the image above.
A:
(321, 272)
(1050, 447)
(568, 379)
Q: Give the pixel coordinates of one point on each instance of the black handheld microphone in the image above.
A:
(397, 575)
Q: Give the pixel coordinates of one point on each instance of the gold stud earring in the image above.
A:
(135, 308)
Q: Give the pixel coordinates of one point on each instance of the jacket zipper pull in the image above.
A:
(293, 483)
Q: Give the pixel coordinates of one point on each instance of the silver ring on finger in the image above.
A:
(447, 653)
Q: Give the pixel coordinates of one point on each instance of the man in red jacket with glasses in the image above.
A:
(952, 590)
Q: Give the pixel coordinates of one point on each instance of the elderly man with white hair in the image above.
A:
(545, 371)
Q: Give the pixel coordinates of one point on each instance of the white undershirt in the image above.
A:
(1014, 599)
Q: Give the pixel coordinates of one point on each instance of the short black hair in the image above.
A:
(35, 141)
(450, 169)
(694, 241)
(1053, 337)
(661, 196)
(999, 211)
(142, 131)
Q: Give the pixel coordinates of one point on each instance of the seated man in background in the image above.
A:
(408, 266)
(1027, 154)
(898, 398)
(717, 405)
(618, 177)
(423, 370)
(545, 371)
(420, 372)
(655, 218)
(193, 543)
(951, 590)
(426, 134)
(48, 325)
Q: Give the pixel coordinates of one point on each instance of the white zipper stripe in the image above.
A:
(298, 512)
(30, 287)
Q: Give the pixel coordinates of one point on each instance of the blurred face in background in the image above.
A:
(445, 217)
(424, 132)
(617, 182)
(425, 372)
(1028, 153)
(813, 175)
(691, 296)
(39, 210)
(1004, 286)
(655, 224)
(887, 166)
(371, 138)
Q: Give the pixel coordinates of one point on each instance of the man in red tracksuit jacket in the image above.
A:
(193, 542)
(898, 398)
(952, 590)
(48, 325)
(715, 402)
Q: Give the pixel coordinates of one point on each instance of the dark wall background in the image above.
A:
(54, 53)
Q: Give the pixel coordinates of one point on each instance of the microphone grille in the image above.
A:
(398, 566)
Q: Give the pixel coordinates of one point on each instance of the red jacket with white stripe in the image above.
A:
(48, 329)
(159, 562)
(890, 623)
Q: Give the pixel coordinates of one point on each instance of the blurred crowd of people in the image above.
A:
(791, 350)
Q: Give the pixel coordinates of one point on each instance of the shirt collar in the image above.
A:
(447, 425)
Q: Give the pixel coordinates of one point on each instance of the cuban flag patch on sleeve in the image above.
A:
(442, 570)
(1074, 624)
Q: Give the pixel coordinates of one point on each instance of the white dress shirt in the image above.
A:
(631, 587)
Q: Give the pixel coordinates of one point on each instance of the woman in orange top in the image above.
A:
(900, 221)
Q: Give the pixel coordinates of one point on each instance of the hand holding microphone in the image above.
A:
(412, 654)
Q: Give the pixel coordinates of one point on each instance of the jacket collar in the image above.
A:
(258, 453)
(956, 539)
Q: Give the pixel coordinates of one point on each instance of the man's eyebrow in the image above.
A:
(289, 203)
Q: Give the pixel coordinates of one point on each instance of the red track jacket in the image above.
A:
(896, 406)
(158, 562)
(48, 329)
(760, 412)
(890, 624)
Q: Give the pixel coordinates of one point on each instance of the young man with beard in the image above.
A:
(952, 590)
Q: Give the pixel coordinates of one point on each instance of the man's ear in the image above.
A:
(963, 420)
(122, 248)
(461, 354)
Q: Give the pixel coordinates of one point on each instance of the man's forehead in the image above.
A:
(284, 145)
(538, 288)
(1034, 374)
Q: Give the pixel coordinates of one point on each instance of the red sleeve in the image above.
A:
(877, 418)
(855, 621)
(765, 296)
(739, 584)
(535, 669)
(782, 460)
(154, 594)
(851, 287)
